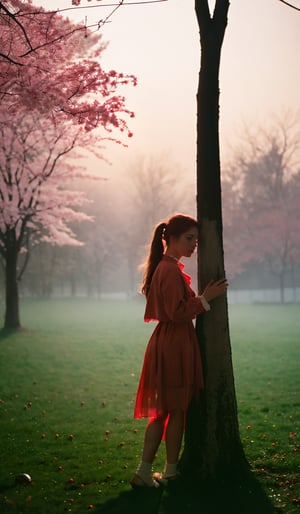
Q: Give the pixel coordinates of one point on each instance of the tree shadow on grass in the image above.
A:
(245, 496)
(6, 333)
(144, 501)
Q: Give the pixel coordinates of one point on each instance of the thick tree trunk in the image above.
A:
(212, 443)
(12, 317)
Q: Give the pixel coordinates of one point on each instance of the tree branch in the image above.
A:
(55, 40)
(220, 17)
(14, 18)
(100, 23)
(290, 5)
(112, 4)
(9, 59)
(203, 14)
(217, 23)
(27, 255)
(221, 9)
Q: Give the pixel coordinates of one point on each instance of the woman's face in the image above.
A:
(184, 245)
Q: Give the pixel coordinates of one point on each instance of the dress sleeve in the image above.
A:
(179, 304)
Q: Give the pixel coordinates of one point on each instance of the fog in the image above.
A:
(259, 82)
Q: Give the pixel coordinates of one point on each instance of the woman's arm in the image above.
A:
(177, 302)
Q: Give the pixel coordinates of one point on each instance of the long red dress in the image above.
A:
(172, 371)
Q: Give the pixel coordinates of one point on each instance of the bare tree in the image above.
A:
(212, 445)
(155, 188)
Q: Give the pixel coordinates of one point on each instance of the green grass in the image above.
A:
(74, 370)
(266, 354)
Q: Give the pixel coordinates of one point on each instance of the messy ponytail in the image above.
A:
(155, 256)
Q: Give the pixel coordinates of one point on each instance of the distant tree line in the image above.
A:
(48, 242)
(260, 185)
(123, 210)
(261, 190)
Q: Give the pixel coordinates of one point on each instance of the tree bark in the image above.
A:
(212, 443)
(12, 316)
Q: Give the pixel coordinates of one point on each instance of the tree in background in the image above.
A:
(52, 65)
(155, 188)
(96, 266)
(35, 206)
(238, 249)
(115, 243)
(263, 184)
(48, 265)
(53, 100)
(100, 259)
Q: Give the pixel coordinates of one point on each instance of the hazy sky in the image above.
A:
(159, 43)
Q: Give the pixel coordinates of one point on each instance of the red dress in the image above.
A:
(172, 371)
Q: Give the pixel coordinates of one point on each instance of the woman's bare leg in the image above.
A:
(174, 435)
(152, 439)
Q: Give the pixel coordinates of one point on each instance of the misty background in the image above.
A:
(155, 176)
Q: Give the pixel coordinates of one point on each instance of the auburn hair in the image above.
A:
(177, 225)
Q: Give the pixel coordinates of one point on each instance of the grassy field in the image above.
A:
(67, 388)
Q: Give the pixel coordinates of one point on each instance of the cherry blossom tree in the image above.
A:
(238, 248)
(56, 70)
(54, 100)
(276, 236)
(34, 202)
(264, 180)
(96, 267)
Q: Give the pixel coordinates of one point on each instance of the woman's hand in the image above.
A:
(215, 289)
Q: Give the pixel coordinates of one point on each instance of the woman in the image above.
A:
(172, 372)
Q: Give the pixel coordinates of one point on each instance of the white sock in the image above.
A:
(144, 470)
(170, 470)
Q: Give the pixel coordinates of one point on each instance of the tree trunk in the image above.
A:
(12, 317)
(294, 284)
(282, 286)
(99, 279)
(212, 443)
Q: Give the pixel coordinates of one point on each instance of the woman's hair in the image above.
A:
(175, 226)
